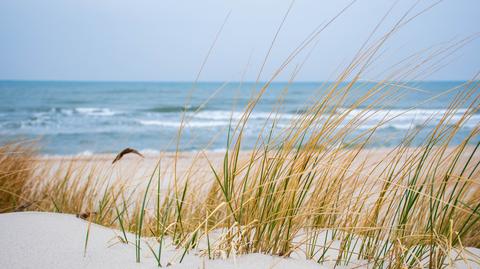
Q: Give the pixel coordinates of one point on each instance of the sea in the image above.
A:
(71, 117)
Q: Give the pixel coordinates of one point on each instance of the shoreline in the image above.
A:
(188, 165)
(149, 153)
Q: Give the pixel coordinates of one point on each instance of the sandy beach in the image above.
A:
(48, 240)
(195, 165)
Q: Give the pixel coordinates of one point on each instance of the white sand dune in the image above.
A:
(50, 240)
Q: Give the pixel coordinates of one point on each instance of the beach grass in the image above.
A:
(313, 189)
(15, 169)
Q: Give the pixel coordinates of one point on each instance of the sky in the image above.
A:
(167, 40)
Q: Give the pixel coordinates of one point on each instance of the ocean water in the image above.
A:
(104, 117)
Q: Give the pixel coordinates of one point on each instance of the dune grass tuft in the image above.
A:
(16, 167)
(314, 188)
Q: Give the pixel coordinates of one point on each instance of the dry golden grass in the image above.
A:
(312, 188)
(15, 169)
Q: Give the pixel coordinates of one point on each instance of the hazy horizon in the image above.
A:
(222, 82)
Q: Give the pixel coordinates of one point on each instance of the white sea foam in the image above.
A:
(218, 150)
(176, 124)
(150, 151)
(93, 111)
(237, 115)
(402, 119)
(85, 153)
(88, 111)
(405, 114)
(66, 111)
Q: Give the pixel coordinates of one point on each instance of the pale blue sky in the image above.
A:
(166, 40)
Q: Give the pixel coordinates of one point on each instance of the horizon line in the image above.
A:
(220, 81)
